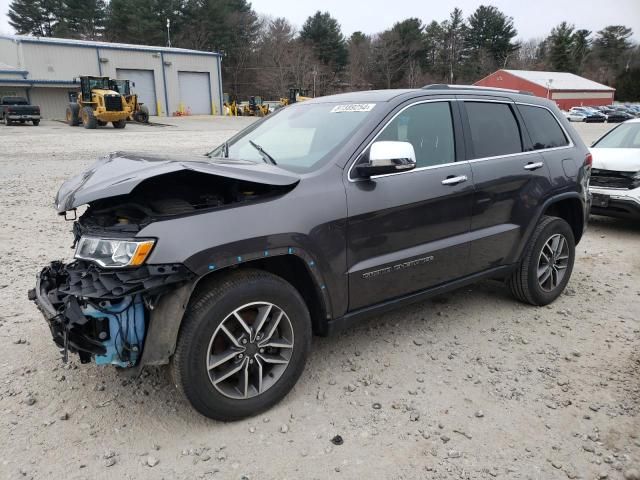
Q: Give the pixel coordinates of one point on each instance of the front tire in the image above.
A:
(36, 123)
(119, 124)
(7, 122)
(547, 263)
(89, 119)
(242, 346)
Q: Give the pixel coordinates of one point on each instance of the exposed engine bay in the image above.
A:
(179, 193)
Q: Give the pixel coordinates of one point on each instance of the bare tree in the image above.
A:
(388, 56)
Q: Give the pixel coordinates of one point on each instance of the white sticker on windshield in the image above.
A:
(353, 107)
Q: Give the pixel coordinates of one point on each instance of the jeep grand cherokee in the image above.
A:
(319, 215)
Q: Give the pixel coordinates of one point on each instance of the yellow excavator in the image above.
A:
(98, 104)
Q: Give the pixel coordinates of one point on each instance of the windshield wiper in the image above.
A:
(265, 156)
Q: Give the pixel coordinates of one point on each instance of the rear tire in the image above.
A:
(119, 124)
(142, 115)
(547, 263)
(89, 119)
(73, 115)
(7, 122)
(213, 311)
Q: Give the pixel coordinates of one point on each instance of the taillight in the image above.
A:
(588, 160)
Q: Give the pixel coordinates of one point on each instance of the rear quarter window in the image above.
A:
(543, 128)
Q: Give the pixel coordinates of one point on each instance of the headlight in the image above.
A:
(113, 252)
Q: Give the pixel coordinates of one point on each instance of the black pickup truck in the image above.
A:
(17, 109)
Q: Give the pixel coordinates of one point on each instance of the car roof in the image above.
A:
(407, 93)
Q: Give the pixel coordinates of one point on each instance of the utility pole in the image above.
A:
(168, 32)
(315, 73)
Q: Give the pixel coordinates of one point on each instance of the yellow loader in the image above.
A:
(98, 104)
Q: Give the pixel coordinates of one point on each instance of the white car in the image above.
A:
(615, 175)
(574, 115)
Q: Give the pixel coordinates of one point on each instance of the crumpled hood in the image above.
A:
(618, 159)
(119, 173)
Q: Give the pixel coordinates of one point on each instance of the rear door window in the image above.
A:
(494, 129)
(543, 128)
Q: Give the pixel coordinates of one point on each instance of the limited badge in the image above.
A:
(353, 107)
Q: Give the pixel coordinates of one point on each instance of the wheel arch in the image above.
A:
(296, 267)
(569, 209)
(292, 264)
(568, 206)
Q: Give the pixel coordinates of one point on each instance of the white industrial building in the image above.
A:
(167, 80)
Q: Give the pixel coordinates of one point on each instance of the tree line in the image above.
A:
(266, 56)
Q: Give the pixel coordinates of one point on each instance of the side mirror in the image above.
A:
(388, 157)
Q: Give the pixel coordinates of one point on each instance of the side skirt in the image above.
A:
(353, 318)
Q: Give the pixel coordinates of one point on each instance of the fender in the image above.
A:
(539, 212)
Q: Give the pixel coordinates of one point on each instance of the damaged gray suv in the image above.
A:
(326, 212)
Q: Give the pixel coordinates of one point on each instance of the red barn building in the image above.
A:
(566, 89)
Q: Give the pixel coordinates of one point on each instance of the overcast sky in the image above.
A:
(532, 18)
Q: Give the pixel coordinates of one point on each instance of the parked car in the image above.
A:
(615, 178)
(617, 116)
(587, 115)
(324, 213)
(17, 109)
(574, 116)
(629, 111)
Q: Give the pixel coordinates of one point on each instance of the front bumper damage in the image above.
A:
(618, 202)
(105, 314)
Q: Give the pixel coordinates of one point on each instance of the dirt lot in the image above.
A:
(468, 385)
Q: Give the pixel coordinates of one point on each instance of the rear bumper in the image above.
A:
(26, 117)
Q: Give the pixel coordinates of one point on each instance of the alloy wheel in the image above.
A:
(553, 262)
(250, 350)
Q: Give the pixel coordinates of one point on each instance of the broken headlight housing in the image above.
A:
(114, 253)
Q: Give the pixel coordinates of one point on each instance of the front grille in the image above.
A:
(614, 179)
(113, 103)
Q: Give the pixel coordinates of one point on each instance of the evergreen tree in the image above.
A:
(434, 46)
(84, 19)
(410, 33)
(455, 32)
(581, 48)
(489, 40)
(41, 18)
(560, 48)
(322, 32)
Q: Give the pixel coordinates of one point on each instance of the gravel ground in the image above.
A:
(468, 385)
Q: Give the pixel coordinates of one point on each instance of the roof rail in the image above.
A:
(444, 86)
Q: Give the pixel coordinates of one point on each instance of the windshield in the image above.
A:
(300, 137)
(120, 86)
(626, 135)
(98, 82)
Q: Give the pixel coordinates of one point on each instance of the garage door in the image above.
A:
(195, 92)
(53, 102)
(145, 86)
